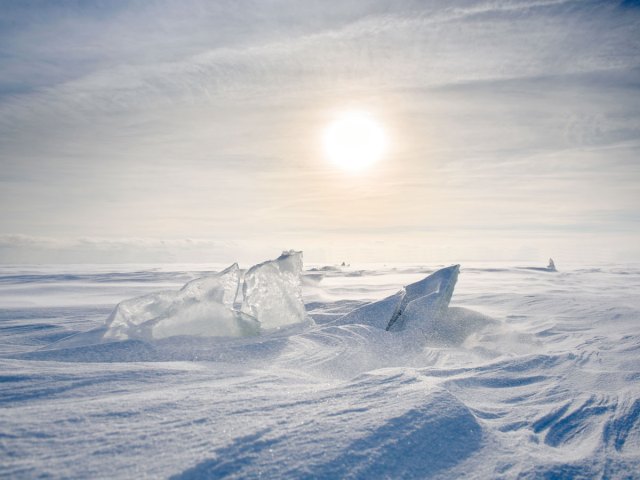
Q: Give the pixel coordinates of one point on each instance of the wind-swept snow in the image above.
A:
(528, 375)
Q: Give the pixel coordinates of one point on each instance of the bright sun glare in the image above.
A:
(354, 141)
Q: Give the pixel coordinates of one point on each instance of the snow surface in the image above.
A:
(534, 374)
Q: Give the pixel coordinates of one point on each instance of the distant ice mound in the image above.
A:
(551, 267)
(416, 306)
(271, 298)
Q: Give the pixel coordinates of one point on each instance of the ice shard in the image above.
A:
(377, 314)
(271, 298)
(203, 307)
(272, 291)
(425, 301)
(415, 306)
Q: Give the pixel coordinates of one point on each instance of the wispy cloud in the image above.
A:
(201, 119)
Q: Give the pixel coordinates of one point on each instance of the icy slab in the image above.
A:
(208, 319)
(425, 301)
(417, 305)
(376, 314)
(272, 291)
(271, 298)
(203, 307)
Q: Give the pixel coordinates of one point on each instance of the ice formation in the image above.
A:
(426, 300)
(551, 267)
(272, 291)
(271, 298)
(416, 306)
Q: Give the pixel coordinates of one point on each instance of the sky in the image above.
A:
(191, 131)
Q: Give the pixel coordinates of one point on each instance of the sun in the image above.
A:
(354, 141)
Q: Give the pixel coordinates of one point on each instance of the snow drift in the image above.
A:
(549, 390)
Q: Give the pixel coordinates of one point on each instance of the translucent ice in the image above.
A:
(377, 314)
(417, 305)
(425, 301)
(203, 307)
(272, 292)
(271, 298)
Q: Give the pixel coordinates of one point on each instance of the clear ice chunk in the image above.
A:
(272, 292)
(426, 301)
(416, 306)
(206, 318)
(203, 307)
(377, 314)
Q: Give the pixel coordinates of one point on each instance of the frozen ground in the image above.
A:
(547, 387)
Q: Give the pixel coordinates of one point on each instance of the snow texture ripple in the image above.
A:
(528, 374)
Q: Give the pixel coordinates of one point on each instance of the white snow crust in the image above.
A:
(528, 374)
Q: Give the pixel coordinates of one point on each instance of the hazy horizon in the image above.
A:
(165, 131)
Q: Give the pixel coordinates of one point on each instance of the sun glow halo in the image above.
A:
(354, 141)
